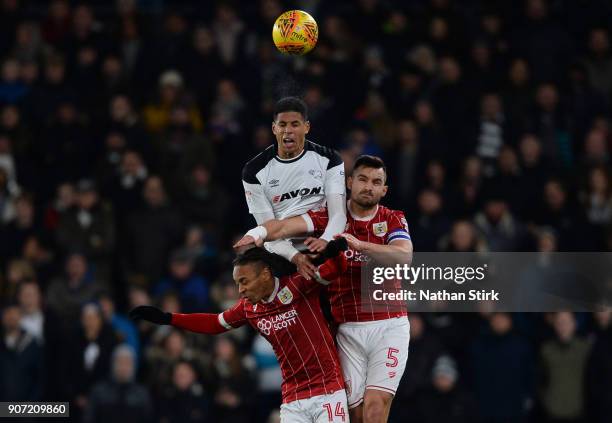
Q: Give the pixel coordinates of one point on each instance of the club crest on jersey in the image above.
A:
(317, 174)
(380, 228)
(285, 295)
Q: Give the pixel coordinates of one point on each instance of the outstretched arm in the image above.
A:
(208, 323)
(273, 230)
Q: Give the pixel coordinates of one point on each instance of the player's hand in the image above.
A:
(248, 240)
(315, 245)
(151, 314)
(353, 243)
(333, 267)
(304, 265)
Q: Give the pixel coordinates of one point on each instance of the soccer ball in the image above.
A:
(295, 32)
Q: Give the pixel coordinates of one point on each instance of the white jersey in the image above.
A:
(292, 187)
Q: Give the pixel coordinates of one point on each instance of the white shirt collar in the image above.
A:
(274, 292)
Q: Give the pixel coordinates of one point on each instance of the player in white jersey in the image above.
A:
(294, 176)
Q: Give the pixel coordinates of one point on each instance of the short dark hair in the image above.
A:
(279, 266)
(256, 255)
(291, 104)
(369, 161)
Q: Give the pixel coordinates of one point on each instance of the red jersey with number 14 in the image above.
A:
(292, 321)
(350, 299)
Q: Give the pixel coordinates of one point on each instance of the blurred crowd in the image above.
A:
(123, 130)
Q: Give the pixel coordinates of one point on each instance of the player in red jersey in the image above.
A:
(372, 336)
(286, 311)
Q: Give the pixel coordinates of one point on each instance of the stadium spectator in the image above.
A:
(123, 119)
(24, 225)
(67, 294)
(463, 238)
(269, 377)
(233, 375)
(498, 226)
(599, 61)
(124, 186)
(43, 325)
(160, 360)
(12, 90)
(157, 116)
(89, 228)
(599, 371)
(21, 359)
(431, 223)
(467, 196)
(124, 329)
(186, 400)
(120, 398)
(87, 356)
(7, 198)
(204, 201)
(151, 233)
(17, 271)
(490, 132)
(502, 370)
(535, 171)
(191, 288)
(563, 367)
(446, 400)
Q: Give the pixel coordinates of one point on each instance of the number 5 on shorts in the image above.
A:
(339, 412)
(391, 357)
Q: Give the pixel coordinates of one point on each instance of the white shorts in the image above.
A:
(318, 409)
(373, 355)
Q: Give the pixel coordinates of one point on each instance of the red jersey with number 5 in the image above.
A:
(350, 299)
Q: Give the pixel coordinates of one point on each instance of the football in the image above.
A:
(295, 32)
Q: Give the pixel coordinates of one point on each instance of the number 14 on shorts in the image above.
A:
(337, 412)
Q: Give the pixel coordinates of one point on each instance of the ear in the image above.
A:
(274, 127)
(349, 182)
(307, 125)
(384, 192)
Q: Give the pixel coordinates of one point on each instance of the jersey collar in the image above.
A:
(359, 218)
(299, 156)
(274, 292)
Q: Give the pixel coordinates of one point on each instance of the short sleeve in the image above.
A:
(233, 317)
(398, 228)
(256, 198)
(335, 182)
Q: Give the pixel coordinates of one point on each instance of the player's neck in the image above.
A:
(271, 292)
(360, 212)
(284, 155)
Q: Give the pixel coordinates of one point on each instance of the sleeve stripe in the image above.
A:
(398, 231)
(223, 323)
(399, 236)
(309, 223)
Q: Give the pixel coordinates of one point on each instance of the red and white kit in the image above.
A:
(292, 321)
(373, 336)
